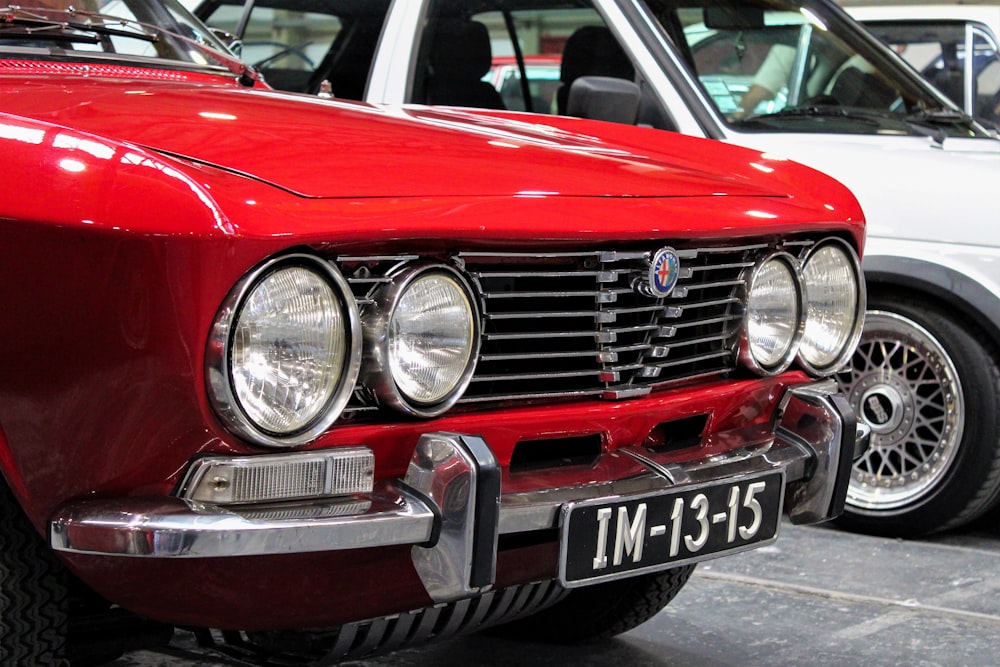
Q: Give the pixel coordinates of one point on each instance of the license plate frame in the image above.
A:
(595, 529)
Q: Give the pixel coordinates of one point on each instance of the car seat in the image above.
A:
(460, 56)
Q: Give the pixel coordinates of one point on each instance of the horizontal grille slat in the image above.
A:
(592, 294)
(533, 376)
(687, 360)
(541, 335)
(524, 356)
(560, 325)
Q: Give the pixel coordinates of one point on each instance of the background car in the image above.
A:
(925, 376)
(936, 38)
(540, 75)
(333, 378)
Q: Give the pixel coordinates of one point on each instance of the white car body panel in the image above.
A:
(911, 188)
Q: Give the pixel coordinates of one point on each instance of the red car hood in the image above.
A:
(321, 148)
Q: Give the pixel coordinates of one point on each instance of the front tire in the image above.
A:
(601, 611)
(34, 620)
(928, 388)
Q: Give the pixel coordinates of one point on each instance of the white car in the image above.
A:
(925, 377)
(935, 40)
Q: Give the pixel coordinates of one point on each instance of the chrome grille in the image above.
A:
(572, 324)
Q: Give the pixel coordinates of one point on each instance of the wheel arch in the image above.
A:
(11, 478)
(953, 289)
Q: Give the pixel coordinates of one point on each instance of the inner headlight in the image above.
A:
(285, 352)
(835, 307)
(424, 346)
(773, 323)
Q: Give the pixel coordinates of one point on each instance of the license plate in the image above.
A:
(610, 538)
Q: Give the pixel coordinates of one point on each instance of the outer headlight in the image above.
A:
(835, 306)
(285, 352)
(773, 322)
(423, 340)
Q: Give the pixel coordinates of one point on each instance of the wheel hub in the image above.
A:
(882, 407)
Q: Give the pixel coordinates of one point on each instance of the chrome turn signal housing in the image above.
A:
(270, 478)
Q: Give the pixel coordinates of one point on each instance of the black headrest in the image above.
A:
(461, 49)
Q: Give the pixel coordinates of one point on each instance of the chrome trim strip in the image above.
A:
(167, 527)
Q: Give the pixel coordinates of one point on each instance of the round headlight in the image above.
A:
(773, 322)
(290, 352)
(834, 307)
(426, 343)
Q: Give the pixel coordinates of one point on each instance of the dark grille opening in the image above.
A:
(677, 434)
(556, 452)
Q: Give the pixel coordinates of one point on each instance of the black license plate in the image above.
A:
(609, 538)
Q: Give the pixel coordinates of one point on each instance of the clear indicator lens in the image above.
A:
(288, 350)
(832, 286)
(431, 338)
(772, 314)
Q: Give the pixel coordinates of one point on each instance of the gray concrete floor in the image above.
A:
(818, 595)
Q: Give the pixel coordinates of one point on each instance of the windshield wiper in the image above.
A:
(35, 25)
(17, 22)
(822, 111)
(933, 122)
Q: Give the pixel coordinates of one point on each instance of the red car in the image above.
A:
(276, 363)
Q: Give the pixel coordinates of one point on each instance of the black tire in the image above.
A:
(33, 593)
(928, 385)
(600, 611)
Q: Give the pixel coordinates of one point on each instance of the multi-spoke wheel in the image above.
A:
(929, 391)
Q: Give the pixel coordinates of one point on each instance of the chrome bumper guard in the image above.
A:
(449, 506)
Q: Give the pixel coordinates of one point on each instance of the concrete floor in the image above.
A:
(817, 596)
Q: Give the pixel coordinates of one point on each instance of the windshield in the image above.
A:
(780, 65)
(137, 31)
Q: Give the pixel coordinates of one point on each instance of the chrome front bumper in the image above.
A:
(451, 508)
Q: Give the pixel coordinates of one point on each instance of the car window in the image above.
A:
(764, 62)
(303, 46)
(542, 77)
(937, 49)
(553, 42)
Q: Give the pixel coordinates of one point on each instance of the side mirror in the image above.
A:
(604, 98)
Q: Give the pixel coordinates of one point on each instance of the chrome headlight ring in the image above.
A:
(841, 260)
(402, 332)
(295, 359)
(769, 339)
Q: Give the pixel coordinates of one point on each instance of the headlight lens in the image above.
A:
(834, 285)
(421, 340)
(431, 339)
(285, 352)
(774, 315)
(288, 350)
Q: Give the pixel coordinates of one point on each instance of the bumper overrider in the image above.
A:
(452, 508)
